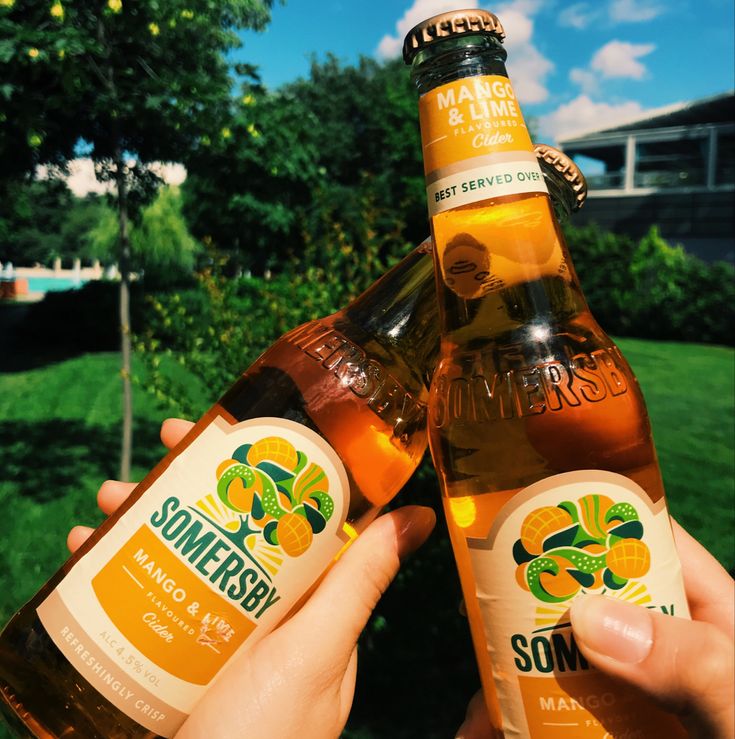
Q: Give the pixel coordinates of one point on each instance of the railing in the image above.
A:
(606, 181)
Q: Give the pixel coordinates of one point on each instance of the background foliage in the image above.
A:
(296, 200)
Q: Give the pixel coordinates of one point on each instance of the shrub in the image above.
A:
(216, 330)
(651, 289)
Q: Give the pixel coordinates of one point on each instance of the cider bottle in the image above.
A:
(537, 426)
(233, 526)
(236, 523)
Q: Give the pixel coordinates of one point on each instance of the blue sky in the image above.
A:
(575, 65)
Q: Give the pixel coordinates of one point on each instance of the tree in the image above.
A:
(335, 157)
(32, 218)
(163, 252)
(162, 247)
(82, 221)
(267, 170)
(149, 80)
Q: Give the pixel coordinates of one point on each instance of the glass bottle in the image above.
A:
(270, 485)
(537, 426)
(221, 539)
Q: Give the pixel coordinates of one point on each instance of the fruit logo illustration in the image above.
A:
(270, 502)
(591, 544)
(283, 495)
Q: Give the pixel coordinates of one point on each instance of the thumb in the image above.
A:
(298, 681)
(346, 597)
(686, 666)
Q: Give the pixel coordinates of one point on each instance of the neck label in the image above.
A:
(475, 143)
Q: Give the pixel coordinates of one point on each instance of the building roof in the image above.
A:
(715, 109)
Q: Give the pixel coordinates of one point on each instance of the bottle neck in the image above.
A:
(399, 312)
(501, 264)
(465, 56)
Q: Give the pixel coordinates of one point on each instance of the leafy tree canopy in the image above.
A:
(335, 157)
(35, 221)
(151, 78)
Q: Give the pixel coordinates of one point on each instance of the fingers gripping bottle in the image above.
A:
(537, 426)
(234, 525)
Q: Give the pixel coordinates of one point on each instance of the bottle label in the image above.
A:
(556, 541)
(213, 555)
(475, 142)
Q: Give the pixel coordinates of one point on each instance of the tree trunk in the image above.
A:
(125, 342)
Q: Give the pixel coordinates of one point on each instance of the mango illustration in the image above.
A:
(273, 449)
(294, 534)
(540, 524)
(629, 558)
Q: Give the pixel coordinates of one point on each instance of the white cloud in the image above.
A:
(527, 66)
(583, 114)
(82, 181)
(391, 44)
(634, 11)
(620, 59)
(586, 79)
(170, 172)
(578, 16)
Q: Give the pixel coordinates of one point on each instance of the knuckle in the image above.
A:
(376, 576)
(716, 668)
(706, 671)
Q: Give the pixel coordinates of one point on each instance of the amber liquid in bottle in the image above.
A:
(356, 379)
(537, 426)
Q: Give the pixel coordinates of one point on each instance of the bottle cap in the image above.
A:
(447, 25)
(555, 164)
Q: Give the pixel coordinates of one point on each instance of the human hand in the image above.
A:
(685, 666)
(291, 683)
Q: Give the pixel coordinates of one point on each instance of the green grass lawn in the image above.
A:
(689, 389)
(59, 438)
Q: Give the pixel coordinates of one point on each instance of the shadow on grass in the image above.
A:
(26, 344)
(63, 325)
(44, 458)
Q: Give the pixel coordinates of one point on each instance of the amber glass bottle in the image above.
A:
(537, 426)
(233, 526)
(237, 522)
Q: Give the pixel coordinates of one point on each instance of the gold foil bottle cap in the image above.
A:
(555, 164)
(446, 25)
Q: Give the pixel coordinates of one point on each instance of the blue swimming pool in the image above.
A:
(52, 284)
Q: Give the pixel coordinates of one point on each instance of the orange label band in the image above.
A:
(475, 142)
(170, 615)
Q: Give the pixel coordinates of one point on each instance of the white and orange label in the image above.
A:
(212, 556)
(475, 143)
(558, 540)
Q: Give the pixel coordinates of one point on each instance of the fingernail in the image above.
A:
(612, 628)
(413, 526)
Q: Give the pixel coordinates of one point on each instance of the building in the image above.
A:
(673, 167)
